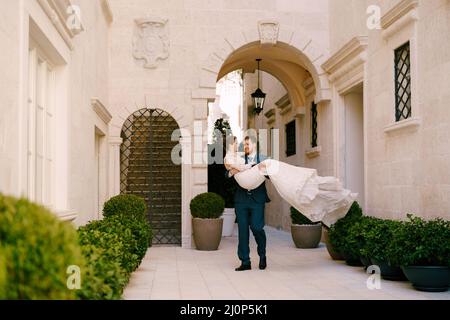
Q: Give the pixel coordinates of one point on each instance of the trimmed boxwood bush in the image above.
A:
(377, 237)
(114, 247)
(36, 249)
(298, 218)
(104, 278)
(207, 205)
(356, 237)
(341, 231)
(125, 204)
(421, 243)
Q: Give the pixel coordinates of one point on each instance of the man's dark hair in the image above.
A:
(251, 138)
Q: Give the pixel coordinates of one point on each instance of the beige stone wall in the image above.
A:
(407, 169)
(89, 78)
(85, 75)
(9, 91)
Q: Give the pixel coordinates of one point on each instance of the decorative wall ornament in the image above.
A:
(268, 32)
(151, 41)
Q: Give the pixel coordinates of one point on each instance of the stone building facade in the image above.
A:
(75, 71)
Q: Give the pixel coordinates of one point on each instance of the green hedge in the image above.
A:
(412, 242)
(36, 250)
(421, 242)
(125, 204)
(114, 247)
(377, 237)
(207, 205)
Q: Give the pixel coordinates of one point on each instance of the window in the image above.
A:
(290, 139)
(41, 99)
(313, 125)
(402, 83)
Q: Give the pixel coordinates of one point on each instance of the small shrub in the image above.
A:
(377, 238)
(37, 248)
(420, 242)
(127, 205)
(104, 278)
(340, 231)
(207, 205)
(110, 234)
(299, 219)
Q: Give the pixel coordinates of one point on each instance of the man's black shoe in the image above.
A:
(262, 263)
(244, 267)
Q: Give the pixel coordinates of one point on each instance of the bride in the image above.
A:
(318, 198)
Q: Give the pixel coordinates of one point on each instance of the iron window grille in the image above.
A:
(313, 125)
(290, 139)
(403, 82)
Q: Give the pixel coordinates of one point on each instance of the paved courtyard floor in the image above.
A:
(176, 273)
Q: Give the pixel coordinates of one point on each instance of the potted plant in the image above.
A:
(340, 231)
(377, 239)
(305, 233)
(422, 249)
(207, 223)
(332, 251)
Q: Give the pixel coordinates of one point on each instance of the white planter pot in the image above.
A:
(229, 217)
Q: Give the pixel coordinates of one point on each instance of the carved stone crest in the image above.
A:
(150, 41)
(268, 32)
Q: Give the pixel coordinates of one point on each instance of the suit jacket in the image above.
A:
(258, 195)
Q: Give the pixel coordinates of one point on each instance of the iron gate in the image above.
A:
(147, 170)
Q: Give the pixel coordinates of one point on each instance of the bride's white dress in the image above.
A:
(318, 198)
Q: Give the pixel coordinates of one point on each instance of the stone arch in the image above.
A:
(309, 54)
(120, 117)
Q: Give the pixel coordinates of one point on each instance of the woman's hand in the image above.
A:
(233, 172)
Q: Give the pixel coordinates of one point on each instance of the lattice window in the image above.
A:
(290, 139)
(313, 125)
(402, 82)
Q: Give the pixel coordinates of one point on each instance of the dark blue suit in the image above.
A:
(250, 207)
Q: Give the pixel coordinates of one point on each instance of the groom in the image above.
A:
(250, 207)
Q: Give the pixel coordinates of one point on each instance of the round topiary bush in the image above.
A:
(125, 205)
(207, 205)
(37, 250)
(298, 218)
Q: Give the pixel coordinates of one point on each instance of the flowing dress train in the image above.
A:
(318, 198)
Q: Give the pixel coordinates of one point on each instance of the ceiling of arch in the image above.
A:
(281, 61)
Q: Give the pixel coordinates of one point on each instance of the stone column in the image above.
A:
(114, 165)
(186, 222)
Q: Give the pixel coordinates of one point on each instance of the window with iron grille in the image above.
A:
(313, 125)
(290, 139)
(402, 82)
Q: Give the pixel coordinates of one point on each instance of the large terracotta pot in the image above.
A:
(229, 218)
(207, 233)
(306, 236)
(334, 254)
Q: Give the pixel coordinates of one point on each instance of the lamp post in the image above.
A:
(258, 96)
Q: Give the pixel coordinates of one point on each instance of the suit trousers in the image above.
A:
(250, 215)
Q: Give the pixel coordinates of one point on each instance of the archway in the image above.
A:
(298, 86)
(147, 170)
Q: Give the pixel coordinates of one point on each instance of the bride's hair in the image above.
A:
(230, 141)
